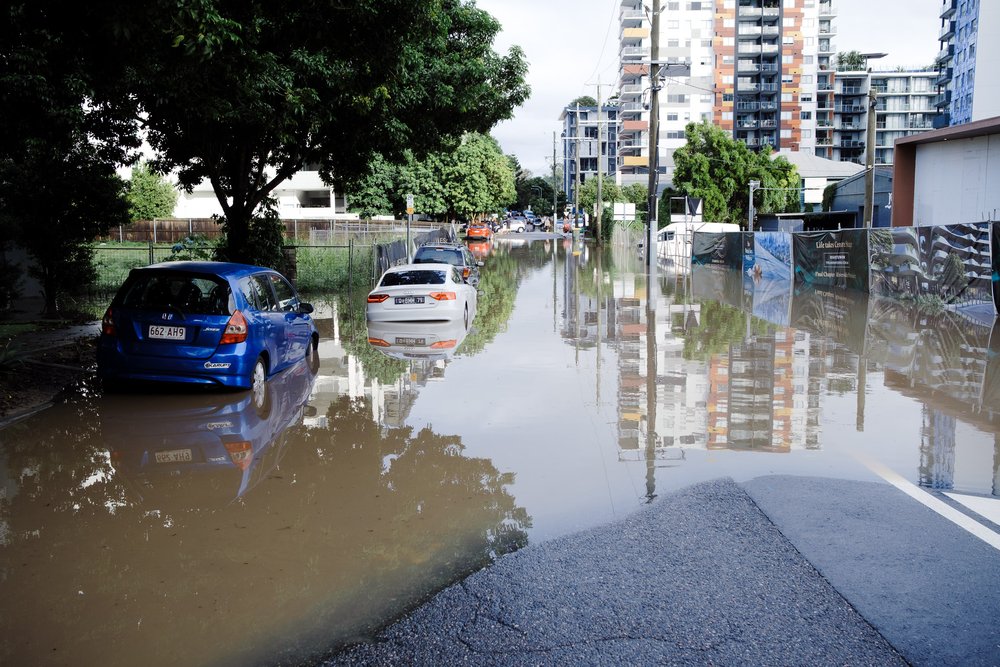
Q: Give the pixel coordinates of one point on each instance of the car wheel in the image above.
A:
(260, 392)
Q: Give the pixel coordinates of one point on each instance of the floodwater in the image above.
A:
(159, 528)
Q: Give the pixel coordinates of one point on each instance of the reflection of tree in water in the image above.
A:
(357, 524)
(719, 327)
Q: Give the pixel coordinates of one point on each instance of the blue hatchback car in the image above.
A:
(207, 323)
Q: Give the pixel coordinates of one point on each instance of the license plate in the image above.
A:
(166, 333)
(407, 300)
(410, 341)
(174, 456)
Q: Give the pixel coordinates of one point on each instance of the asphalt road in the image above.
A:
(781, 571)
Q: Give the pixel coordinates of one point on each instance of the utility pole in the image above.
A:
(654, 131)
(870, 156)
(600, 168)
(576, 186)
(555, 216)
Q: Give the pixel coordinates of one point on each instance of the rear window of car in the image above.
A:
(438, 256)
(422, 277)
(194, 295)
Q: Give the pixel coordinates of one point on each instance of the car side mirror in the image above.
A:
(305, 308)
(480, 263)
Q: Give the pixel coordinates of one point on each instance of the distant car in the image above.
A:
(455, 254)
(422, 292)
(532, 220)
(478, 231)
(205, 323)
(517, 224)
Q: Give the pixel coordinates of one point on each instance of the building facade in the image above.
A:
(968, 86)
(904, 106)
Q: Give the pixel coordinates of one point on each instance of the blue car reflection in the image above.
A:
(203, 449)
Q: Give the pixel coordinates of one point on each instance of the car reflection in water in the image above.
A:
(431, 341)
(480, 249)
(206, 449)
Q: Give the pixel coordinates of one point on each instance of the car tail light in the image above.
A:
(444, 296)
(444, 344)
(240, 453)
(108, 323)
(236, 329)
(466, 272)
(378, 342)
(377, 298)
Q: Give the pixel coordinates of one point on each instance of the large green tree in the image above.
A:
(245, 94)
(718, 169)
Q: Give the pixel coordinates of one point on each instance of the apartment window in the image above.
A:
(674, 6)
(786, 60)
(808, 41)
(807, 134)
(707, 99)
(788, 21)
(673, 24)
(677, 99)
(808, 23)
(807, 60)
(694, 6)
(727, 115)
(728, 23)
(728, 80)
(806, 98)
(806, 115)
(727, 41)
(727, 97)
(727, 60)
(786, 115)
(807, 78)
(707, 43)
(673, 43)
(786, 79)
(786, 97)
(786, 134)
(671, 116)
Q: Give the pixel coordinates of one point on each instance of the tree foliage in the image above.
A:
(471, 178)
(535, 193)
(718, 169)
(245, 94)
(583, 101)
(149, 195)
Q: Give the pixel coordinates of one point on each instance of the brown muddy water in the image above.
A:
(164, 528)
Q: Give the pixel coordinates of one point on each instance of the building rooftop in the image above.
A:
(812, 166)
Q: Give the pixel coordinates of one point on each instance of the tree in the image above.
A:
(372, 193)
(149, 195)
(583, 101)
(718, 169)
(535, 193)
(851, 61)
(610, 193)
(244, 94)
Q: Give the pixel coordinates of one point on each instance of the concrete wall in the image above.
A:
(956, 181)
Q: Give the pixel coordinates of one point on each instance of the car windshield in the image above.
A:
(423, 277)
(438, 256)
(194, 295)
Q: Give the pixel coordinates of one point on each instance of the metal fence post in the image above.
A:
(350, 262)
(151, 253)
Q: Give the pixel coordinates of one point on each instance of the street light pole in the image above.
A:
(754, 185)
(870, 157)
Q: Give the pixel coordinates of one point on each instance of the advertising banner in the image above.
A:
(832, 259)
(949, 263)
(721, 249)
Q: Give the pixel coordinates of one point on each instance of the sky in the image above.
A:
(572, 47)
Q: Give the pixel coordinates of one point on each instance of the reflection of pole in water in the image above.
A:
(554, 272)
(600, 307)
(996, 465)
(937, 449)
(859, 418)
(651, 293)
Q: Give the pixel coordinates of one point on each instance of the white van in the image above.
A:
(674, 242)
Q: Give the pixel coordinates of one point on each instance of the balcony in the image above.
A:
(942, 100)
(945, 55)
(852, 144)
(747, 66)
(631, 15)
(826, 46)
(634, 52)
(948, 8)
(852, 90)
(631, 90)
(944, 76)
(826, 29)
(826, 9)
(947, 31)
(748, 49)
(850, 109)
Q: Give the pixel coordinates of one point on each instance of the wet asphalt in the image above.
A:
(779, 571)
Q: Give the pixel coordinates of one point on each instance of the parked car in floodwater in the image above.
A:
(422, 292)
(455, 254)
(204, 323)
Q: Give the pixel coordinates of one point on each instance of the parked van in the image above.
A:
(674, 242)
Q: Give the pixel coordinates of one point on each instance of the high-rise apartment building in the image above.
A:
(753, 71)
(968, 84)
(590, 142)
